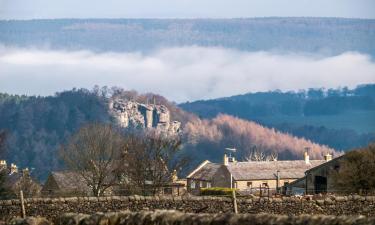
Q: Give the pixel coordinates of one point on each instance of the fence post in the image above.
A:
(234, 201)
(22, 205)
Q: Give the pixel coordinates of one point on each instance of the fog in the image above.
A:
(180, 74)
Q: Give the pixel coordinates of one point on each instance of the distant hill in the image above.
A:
(37, 126)
(206, 136)
(326, 36)
(340, 118)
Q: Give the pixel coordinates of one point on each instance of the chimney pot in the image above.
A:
(306, 156)
(226, 160)
(328, 157)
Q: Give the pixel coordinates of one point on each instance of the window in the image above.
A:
(265, 184)
(192, 184)
(208, 184)
(249, 184)
(201, 184)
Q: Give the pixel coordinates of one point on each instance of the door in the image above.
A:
(320, 184)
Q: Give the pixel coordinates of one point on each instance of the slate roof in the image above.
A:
(68, 180)
(206, 172)
(265, 170)
(253, 170)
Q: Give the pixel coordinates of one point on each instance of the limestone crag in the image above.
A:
(131, 114)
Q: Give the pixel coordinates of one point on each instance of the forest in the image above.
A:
(322, 36)
(37, 127)
(339, 118)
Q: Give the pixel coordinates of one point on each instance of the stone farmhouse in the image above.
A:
(318, 179)
(249, 176)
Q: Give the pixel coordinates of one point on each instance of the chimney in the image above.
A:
(13, 168)
(174, 176)
(328, 157)
(3, 164)
(26, 172)
(226, 160)
(306, 155)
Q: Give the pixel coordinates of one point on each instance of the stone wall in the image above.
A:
(51, 208)
(174, 217)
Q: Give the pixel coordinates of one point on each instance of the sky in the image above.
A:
(185, 73)
(31, 9)
(180, 74)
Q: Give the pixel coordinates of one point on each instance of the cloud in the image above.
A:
(180, 74)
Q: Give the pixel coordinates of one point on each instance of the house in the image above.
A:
(249, 176)
(207, 175)
(17, 180)
(176, 187)
(65, 183)
(317, 179)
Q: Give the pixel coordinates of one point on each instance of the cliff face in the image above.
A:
(131, 114)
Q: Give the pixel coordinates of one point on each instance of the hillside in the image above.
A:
(228, 131)
(37, 126)
(340, 118)
(327, 36)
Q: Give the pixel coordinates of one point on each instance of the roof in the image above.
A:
(325, 163)
(299, 183)
(68, 180)
(265, 170)
(205, 171)
(12, 179)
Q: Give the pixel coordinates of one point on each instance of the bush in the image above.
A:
(217, 191)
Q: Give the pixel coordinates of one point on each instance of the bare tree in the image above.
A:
(255, 154)
(3, 136)
(26, 183)
(3, 171)
(93, 153)
(152, 161)
(272, 156)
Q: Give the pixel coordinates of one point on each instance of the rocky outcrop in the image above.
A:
(131, 114)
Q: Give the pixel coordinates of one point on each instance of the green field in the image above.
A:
(360, 121)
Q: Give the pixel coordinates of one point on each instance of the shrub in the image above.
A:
(217, 191)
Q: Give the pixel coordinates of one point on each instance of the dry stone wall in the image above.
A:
(174, 217)
(51, 208)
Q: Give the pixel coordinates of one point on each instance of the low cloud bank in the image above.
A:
(180, 74)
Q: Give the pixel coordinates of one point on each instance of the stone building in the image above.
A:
(319, 179)
(65, 183)
(249, 176)
(208, 175)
